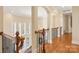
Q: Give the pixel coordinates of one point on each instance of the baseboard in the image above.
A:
(76, 43)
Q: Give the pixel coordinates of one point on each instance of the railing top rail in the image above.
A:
(40, 31)
(55, 28)
(1, 33)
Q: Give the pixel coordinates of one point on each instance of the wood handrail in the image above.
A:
(55, 28)
(1, 33)
(40, 31)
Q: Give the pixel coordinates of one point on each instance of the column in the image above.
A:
(34, 28)
(58, 31)
(62, 25)
(0, 44)
(75, 25)
(69, 24)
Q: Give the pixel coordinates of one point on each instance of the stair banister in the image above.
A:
(19, 42)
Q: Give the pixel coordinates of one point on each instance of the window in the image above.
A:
(24, 30)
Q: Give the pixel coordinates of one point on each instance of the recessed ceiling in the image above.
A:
(64, 8)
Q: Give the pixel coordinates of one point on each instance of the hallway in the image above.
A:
(36, 18)
(39, 27)
(62, 45)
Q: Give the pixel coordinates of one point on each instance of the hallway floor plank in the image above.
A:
(62, 45)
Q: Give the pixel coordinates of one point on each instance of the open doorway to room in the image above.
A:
(64, 23)
(67, 22)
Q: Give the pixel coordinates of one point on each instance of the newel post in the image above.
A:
(17, 42)
(43, 33)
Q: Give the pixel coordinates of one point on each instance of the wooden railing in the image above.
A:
(56, 29)
(1, 33)
(1, 42)
(19, 42)
(12, 44)
(41, 39)
(9, 42)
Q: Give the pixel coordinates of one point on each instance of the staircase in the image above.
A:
(29, 50)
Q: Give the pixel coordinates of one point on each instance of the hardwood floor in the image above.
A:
(62, 45)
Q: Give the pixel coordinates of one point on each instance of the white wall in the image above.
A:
(15, 14)
(7, 24)
(42, 18)
(9, 19)
(65, 23)
(1, 27)
(57, 18)
(1, 19)
(75, 25)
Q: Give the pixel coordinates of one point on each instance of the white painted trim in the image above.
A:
(34, 51)
(24, 49)
(0, 44)
(75, 42)
(58, 32)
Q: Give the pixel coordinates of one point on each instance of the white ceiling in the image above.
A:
(67, 10)
(23, 10)
(64, 8)
(18, 10)
(26, 10)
